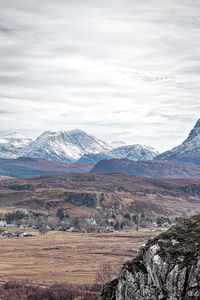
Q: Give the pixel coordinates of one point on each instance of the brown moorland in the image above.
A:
(65, 257)
(28, 166)
(95, 193)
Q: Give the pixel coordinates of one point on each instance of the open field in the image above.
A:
(66, 257)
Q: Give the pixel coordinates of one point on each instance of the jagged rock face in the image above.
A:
(168, 267)
(86, 199)
(190, 145)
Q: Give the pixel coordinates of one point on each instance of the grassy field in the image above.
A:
(66, 257)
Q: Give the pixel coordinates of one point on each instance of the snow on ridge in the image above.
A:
(134, 152)
(70, 146)
(12, 145)
(66, 146)
(190, 144)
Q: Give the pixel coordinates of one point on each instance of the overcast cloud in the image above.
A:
(121, 70)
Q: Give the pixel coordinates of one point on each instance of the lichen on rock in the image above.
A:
(168, 267)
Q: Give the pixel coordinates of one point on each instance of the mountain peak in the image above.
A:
(12, 144)
(66, 146)
(195, 132)
(197, 123)
(14, 135)
(77, 131)
(190, 145)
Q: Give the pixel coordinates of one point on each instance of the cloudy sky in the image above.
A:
(121, 70)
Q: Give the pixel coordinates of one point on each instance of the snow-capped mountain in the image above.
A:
(66, 146)
(71, 146)
(12, 145)
(116, 144)
(134, 152)
(190, 145)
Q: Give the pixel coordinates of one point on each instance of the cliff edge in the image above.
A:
(167, 267)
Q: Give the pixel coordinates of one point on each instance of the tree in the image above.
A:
(76, 223)
(105, 274)
(67, 215)
(117, 226)
(43, 230)
(15, 216)
(127, 216)
(60, 214)
(135, 219)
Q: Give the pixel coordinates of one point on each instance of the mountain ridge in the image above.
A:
(154, 169)
(73, 146)
(135, 152)
(190, 145)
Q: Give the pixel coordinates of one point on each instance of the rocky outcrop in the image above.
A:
(87, 199)
(168, 267)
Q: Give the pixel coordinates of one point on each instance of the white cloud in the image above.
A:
(118, 69)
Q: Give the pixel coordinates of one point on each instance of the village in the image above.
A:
(15, 223)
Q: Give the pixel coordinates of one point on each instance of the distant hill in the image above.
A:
(12, 145)
(148, 168)
(102, 194)
(27, 167)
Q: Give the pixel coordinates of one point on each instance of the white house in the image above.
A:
(3, 223)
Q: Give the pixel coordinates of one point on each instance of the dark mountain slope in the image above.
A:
(27, 167)
(148, 168)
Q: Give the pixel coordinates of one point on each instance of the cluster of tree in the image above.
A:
(61, 214)
(25, 291)
(120, 220)
(15, 216)
(162, 220)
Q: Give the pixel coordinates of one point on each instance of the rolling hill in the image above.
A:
(103, 194)
(148, 168)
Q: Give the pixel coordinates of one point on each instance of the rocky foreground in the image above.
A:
(168, 267)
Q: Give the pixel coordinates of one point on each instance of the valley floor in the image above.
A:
(67, 257)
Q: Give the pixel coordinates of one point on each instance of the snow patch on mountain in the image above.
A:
(71, 146)
(11, 145)
(190, 145)
(66, 146)
(134, 152)
(116, 144)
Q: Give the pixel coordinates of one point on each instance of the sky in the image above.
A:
(120, 70)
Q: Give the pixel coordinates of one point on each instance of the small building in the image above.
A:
(11, 225)
(19, 233)
(110, 229)
(3, 223)
(91, 221)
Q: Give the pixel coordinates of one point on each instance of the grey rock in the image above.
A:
(167, 268)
